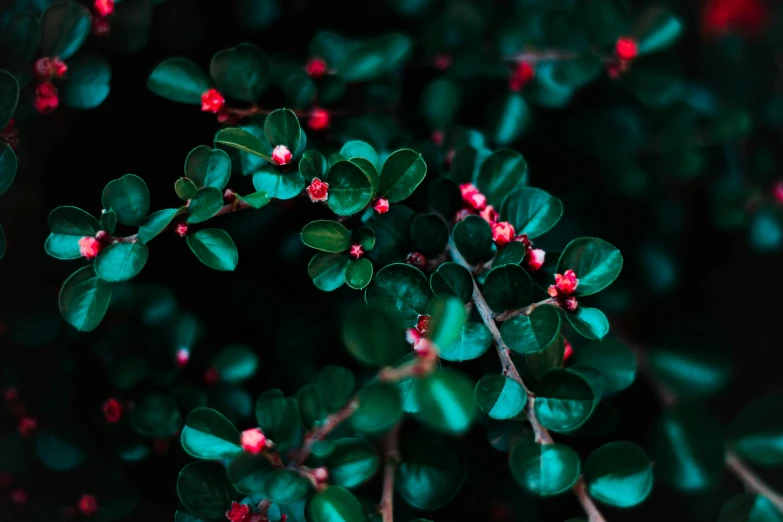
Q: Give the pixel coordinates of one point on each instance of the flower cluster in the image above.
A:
(46, 95)
(563, 289)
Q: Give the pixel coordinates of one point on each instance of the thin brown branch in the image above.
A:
(505, 316)
(392, 460)
(591, 510)
(751, 481)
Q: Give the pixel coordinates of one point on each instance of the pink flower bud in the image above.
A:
(521, 76)
(566, 283)
(212, 101)
(46, 98)
(183, 356)
(315, 68)
(59, 68)
(462, 214)
(112, 411)
(253, 440)
(100, 27)
(777, 192)
(437, 138)
(442, 61)
(181, 229)
(104, 7)
(502, 233)
(569, 351)
(467, 189)
(89, 247)
(319, 119)
(88, 505)
(321, 474)
(522, 238)
(626, 48)
(535, 258)
(281, 155)
(412, 335)
(381, 206)
(552, 291)
(416, 259)
(356, 251)
(423, 323)
(43, 68)
(27, 426)
(238, 512)
(570, 303)
(489, 214)
(19, 496)
(318, 190)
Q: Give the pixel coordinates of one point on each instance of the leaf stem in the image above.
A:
(508, 314)
(392, 461)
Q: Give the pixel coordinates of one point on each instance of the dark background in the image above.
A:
(724, 295)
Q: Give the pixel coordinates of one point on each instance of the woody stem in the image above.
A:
(389, 471)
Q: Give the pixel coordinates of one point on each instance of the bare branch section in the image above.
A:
(392, 461)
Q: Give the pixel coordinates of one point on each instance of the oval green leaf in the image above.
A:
(507, 287)
(282, 128)
(402, 172)
(499, 397)
(531, 211)
(380, 408)
(335, 504)
(208, 167)
(564, 400)
(84, 299)
(373, 338)
(352, 462)
(121, 261)
(205, 490)
(350, 189)
(402, 291)
(242, 72)
(532, 333)
(445, 401)
(452, 279)
(129, 198)
(619, 474)
(215, 248)
(64, 28)
(327, 236)
(209, 435)
(544, 469)
(596, 263)
(328, 270)
(474, 340)
(501, 173)
(179, 80)
(615, 361)
(358, 273)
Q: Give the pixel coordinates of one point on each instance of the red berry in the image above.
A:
(87, 505)
(417, 259)
(316, 67)
(318, 190)
(212, 101)
(626, 48)
(521, 76)
(356, 251)
(253, 440)
(281, 155)
(321, 474)
(319, 119)
(437, 138)
(442, 61)
(112, 411)
(183, 356)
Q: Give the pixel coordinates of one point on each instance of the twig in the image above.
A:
(751, 481)
(505, 316)
(591, 510)
(391, 462)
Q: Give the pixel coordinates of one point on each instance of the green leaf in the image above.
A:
(242, 72)
(88, 82)
(208, 167)
(278, 417)
(464, 165)
(758, 431)
(209, 435)
(156, 223)
(350, 189)
(511, 254)
(532, 333)
(185, 188)
(502, 172)
(590, 323)
(360, 149)
(691, 369)
(335, 504)
(452, 279)
(365, 236)
(749, 507)
(614, 360)
(129, 198)
(84, 299)
(432, 469)
(244, 141)
(248, 472)
(544, 469)
(64, 447)
(108, 221)
(596, 263)
(448, 317)
(564, 400)
(619, 474)
(550, 357)
(473, 238)
(236, 363)
(9, 97)
(507, 287)
(215, 248)
(328, 270)
(282, 128)
(657, 29)
(205, 490)
(156, 415)
(499, 397)
(8, 165)
(373, 338)
(362, 64)
(439, 103)
(205, 204)
(507, 118)
(327, 236)
(689, 451)
(474, 340)
(180, 80)
(352, 462)
(279, 185)
(380, 407)
(445, 400)
(402, 291)
(64, 28)
(286, 486)
(313, 165)
(391, 234)
(121, 261)
(401, 174)
(68, 225)
(358, 273)
(531, 211)
(429, 234)
(255, 200)
(336, 385)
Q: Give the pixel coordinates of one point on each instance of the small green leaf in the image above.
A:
(286, 486)
(445, 401)
(365, 236)
(614, 360)
(531, 211)
(84, 299)
(499, 397)
(313, 165)
(401, 174)
(88, 82)
(278, 417)
(429, 234)
(596, 263)
(215, 248)
(244, 141)
(544, 469)
(657, 29)
(156, 223)
(185, 188)
(749, 507)
(205, 204)
(361, 65)
(205, 490)
(108, 221)
(507, 118)
(328, 270)
(352, 462)
(129, 198)
(473, 238)
(391, 234)
(209, 435)
(532, 333)
(474, 340)
(277, 184)
(590, 323)
(452, 279)
(373, 338)
(758, 431)
(619, 474)
(448, 317)
(402, 291)
(507, 287)
(9, 97)
(350, 189)
(282, 128)
(64, 28)
(327, 236)
(439, 103)
(550, 357)
(180, 80)
(235, 363)
(564, 400)
(156, 415)
(63, 448)
(360, 149)
(68, 225)
(255, 200)
(358, 273)
(335, 504)
(248, 472)
(511, 254)
(121, 261)
(336, 385)
(380, 407)
(502, 172)
(208, 167)
(242, 72)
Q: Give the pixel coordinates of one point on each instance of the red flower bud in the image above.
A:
(423, 323)
(181, 229)
(321, 474)
(566, 283)
(438, 137)
(626, 48)
(316, 67)
(535, 258)
(417, 259)
(569, 351)
(522, 238)
(100, 26)
(281, 155)
(318, 190)
(212, 101)
(183, 356)
(46, 98)
(112, 411)
(319, 119)
(489, 214)
(570, 303)
(356, 251)
(27, 426)
(412, 335)
(502, 233)
(381, 206)
(60, 68)
(89, 247)
(777, 192)
(19, 496)
(43, 68)
(88, 505)
(521, 76)
(253, 440)
(104, 7)
(442, 61)
(238, 512)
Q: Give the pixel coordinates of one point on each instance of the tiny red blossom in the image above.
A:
(59, 67)
(104, 7)
(566, 283)
(281, 155)
(356, 251)
(463, 213)
(89, 247)
(46, 98)
(87, 505)
(19, 496)
(502, 233)
(253, 440)
(100, 26)
(423, 323)
(238, 512)
(535, 258)
(318, 190)
(27, 426)
(521, 76)
(569, 351)
(319, 119)
(212, 101)
(211, 376)
(423, 347)
(181, 229)
(626, 48)
(412, 335)
(438, 138)
(777, 192)
(183, 356)
(467, 189)
(416, 259)
(720, 17)
(442, 61)
(321, 474)
(381, 206)
(112, 411)
(316, 67)
(522, 238)
(570, 303)
(489, 214)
